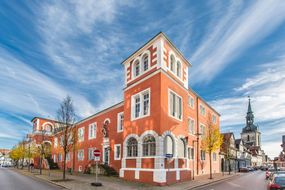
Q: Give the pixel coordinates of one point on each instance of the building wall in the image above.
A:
(159, 80)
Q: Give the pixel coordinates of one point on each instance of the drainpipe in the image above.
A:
(197, 123)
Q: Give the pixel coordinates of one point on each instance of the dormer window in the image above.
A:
(145, 62)
(137, 68)
(172, 63)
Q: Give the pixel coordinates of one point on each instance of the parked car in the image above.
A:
(277, 183)
(250, 168)
(243, 169)
(272, 174)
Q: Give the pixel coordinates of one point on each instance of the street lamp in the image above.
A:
(29, 154)
(197, 141)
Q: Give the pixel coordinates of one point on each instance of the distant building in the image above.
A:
(5, 159)
(251, 138)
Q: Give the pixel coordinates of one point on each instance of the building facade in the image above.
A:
(159, 115)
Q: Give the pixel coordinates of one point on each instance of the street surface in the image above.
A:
(11, 180)
(250, 181)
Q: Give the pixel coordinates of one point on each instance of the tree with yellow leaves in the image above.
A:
(211, 140)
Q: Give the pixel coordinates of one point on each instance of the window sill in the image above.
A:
(175, 117)
(90, 138)
(140, 117)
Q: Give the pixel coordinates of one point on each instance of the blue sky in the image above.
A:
(54, 48)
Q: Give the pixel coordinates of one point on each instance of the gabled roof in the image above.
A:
(160, 34)
(227, 136)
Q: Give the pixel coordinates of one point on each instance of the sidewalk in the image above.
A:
(82, 181)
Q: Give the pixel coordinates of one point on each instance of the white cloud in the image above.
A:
(231, 37)
(267, 89)
(25, 91)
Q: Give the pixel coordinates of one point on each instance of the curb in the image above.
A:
(213, 182)
(40, 179)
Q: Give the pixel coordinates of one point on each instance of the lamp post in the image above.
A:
(29, 153)
(197, 141)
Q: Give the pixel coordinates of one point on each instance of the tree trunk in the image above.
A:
(73, 159)
(40, 165)
(64, 163)
(210, 154)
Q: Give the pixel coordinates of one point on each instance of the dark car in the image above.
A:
(277, 182)
(243, 169)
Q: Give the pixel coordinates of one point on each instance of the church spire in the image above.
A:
(249, 106)
(249, 115)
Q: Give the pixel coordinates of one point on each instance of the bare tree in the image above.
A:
(66, 118)
(43, 149)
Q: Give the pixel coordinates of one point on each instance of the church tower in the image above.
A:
(250, 133)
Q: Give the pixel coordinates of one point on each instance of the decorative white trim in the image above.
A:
(95, 135)
(107, 119)
(48, 123)
(125, 144)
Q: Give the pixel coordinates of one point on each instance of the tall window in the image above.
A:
(181, 148)
(140, 104)
(137, 68)
(48, 128)
(191, 101)
(92, 131)
(191, 153)
(132, 147)
(178, 69)
(81, 134)
(202, 130)
(172, 63)
(175, 105)
(137, 106)
(68, 156)
(214, 119)
(90, 153)
(61, 140)
(203, 155)
(80, 154)
(54, 158)
(55, 142)
(202, 110)
(117, 154)
(214, 156)
(168, 145)
(59, 157)
(191, 126)
(145, 62)
(149, 146)
(120, 122)
(146, 103)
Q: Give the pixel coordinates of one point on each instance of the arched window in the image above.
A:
(137, 68)
(168, 145)
(178, 69)
(149, 146)
(48, 128)
(172, 63)
(145, 61)
(132, 147)
(181, 148)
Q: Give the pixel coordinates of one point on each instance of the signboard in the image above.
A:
(97, 158)
(168, 155)
(97, 153)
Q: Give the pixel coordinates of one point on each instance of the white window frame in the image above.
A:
(80, 158)
(200, 110)
(55, 158)
(92, 130)
(201, 125)
(115, 152)
(60, 157)
(120, 125)
(90, 153)
(190, 156)
(68, 156)
(214, 153)
(79, 138)
(61, 140)
(169, 111)
(189, 123)
(55, 142)
(133, 104)
(214, 120)
(189, 102)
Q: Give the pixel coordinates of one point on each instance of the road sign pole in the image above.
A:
(96, 154)
(96, 180)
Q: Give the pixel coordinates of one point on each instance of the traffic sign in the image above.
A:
(97, 153)
(168, 155)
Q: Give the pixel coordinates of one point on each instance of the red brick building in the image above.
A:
(160, 115)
